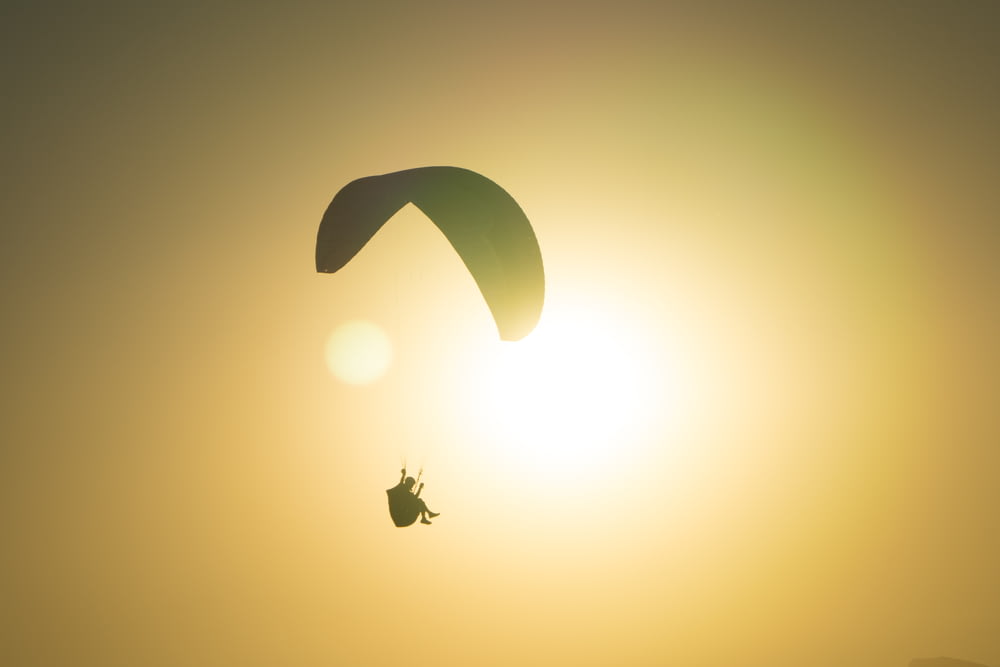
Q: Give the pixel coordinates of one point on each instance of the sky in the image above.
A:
(756, 424)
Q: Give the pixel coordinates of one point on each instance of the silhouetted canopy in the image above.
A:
(483, 223)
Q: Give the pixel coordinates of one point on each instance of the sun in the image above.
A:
(566, 401)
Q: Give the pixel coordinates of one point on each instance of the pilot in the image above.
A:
(405, 505)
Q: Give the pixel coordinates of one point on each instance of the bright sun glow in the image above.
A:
(358, 352)
(569, 398)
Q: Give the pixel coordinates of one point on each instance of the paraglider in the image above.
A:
(484, 224)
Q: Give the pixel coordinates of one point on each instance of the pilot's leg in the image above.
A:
(424, 512)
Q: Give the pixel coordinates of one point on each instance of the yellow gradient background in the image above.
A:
(757, 424)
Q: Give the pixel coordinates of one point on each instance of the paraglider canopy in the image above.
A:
(482, 222)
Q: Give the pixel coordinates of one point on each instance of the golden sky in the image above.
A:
(756, 425)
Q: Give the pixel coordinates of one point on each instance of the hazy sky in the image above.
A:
(757, 424)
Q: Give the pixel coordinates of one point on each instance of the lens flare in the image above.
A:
(358, 352)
